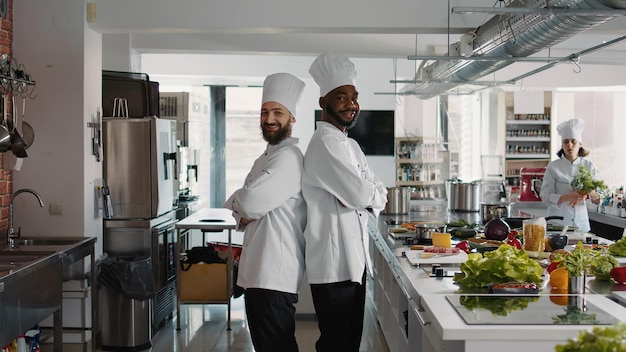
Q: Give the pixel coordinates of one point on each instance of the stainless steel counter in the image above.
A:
(31, 288)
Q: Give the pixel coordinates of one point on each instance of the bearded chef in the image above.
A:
(271, 211)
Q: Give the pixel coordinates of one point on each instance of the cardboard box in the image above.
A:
(204, 282)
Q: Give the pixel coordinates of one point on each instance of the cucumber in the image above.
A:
(464, 233)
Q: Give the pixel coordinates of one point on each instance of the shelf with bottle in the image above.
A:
(416, 150)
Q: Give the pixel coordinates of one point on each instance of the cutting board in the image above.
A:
(414, 258)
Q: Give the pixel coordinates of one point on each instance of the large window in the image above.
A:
(244, 141)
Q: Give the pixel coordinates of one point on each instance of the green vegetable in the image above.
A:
(459, 223)
(618, 248)
(602, 264)
(600, 339)
(505, 264)
(579, 260)
(584, 183)
(464, 233)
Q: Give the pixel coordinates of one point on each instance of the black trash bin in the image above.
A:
(127, 285)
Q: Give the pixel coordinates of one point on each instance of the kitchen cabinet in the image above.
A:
(421, 165)
(527, 138)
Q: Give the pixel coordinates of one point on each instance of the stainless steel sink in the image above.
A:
(21, 257)
(46, 241)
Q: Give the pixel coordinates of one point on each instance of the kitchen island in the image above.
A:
(416, 312)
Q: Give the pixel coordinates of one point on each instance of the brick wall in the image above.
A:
(6, 176)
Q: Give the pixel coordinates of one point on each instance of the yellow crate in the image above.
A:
(204, 282)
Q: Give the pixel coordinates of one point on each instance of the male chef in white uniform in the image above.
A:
(342, 193)
(271, 211)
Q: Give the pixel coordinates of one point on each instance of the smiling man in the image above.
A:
(341, 194)
(271, 211)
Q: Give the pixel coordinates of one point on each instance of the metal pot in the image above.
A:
(425, 231)
(463, 196)
(489, 211)
(397, 200)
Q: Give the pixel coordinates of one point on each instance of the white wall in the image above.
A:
(63, 57)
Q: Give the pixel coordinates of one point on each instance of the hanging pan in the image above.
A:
(28, 134)
(5, 135)
(18, 146)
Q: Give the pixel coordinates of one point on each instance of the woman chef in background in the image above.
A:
(556, 189)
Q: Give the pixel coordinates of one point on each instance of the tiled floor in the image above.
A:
(203, 328)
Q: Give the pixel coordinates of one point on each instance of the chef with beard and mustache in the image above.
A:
(342, 193)
(271, 211)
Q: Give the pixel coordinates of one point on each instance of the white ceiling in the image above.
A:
(372, 29)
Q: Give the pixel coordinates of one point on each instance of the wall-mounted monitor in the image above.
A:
(374, 131)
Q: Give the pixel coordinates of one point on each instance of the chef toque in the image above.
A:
(571, 129)
(330, 71)
(283, 88)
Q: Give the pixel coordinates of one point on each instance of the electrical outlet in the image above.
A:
(56, 209)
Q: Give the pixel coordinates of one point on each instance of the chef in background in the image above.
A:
(271, 211)
(556, 189)
(341, 192)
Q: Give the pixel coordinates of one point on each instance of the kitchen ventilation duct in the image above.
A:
(516, 35)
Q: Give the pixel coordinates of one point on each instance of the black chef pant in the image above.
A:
(340, 309)
(271, 319)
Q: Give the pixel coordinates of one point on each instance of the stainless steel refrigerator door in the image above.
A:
(139, 159)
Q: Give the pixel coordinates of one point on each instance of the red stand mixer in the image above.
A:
(531, 179)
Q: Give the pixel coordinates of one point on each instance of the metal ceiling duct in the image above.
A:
(516, 35)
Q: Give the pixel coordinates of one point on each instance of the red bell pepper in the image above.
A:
(513, 241)
(464, 246)
(619, 274)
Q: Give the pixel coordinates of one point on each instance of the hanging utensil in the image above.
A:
(5, 135)
(28, 134)
(18, 146)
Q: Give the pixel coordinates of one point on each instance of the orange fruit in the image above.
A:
(559, 278)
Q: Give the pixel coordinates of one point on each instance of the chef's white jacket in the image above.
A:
(273, 246)
(556, 182)
(338, 187)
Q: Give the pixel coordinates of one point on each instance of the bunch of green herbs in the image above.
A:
(585, 183)
(505, 264)
(579, 260)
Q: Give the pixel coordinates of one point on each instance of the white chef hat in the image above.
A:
(283, 88)
(571, 129)
(331, 70)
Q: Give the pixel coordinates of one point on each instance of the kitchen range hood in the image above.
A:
(507, 38)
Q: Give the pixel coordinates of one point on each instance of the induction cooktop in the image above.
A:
(529, 310)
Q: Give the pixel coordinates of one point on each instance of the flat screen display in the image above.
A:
(374, 131)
